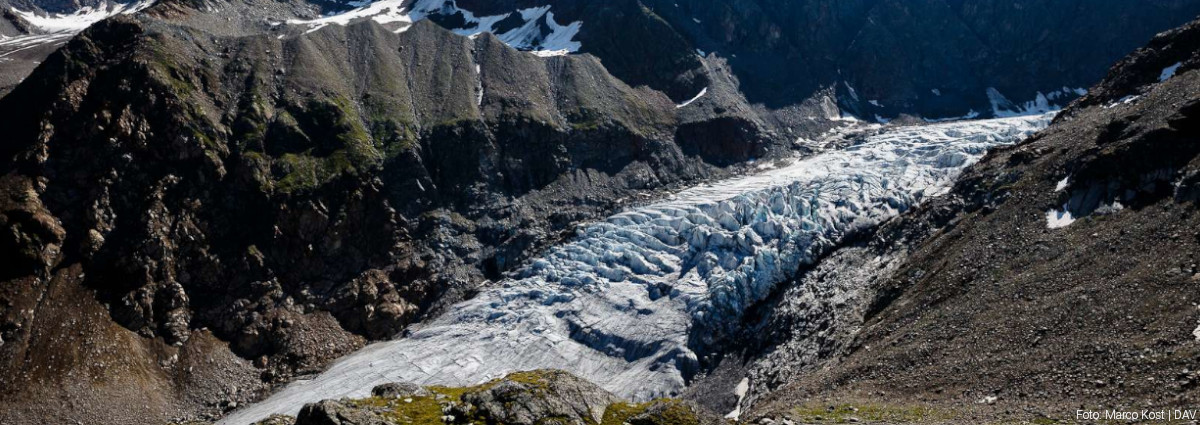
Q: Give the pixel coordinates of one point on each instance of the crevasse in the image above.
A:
(618, 303)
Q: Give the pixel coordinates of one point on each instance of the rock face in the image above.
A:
(330, 412)
(532, 397)
(398, 389)
(934, 58)
(1068, 258)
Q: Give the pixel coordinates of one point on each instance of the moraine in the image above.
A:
(625, 301)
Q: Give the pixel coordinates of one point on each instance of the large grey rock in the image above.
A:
(330, 412)
(399, 389)
(527, 398)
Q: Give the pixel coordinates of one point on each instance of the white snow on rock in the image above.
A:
(619, 302)
(703, 92)
(1056, 219)
(850, 90)
(47, 28)
(1123, 101)
(743, 387)
(1196, 333)
(1042, 103)
(1062, 184)
(71, 23)
(11, 45)
(539, 32)
(1169, 72)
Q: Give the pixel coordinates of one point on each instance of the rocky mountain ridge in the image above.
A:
(242, 185)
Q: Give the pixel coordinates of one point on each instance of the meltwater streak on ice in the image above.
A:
(616, 304)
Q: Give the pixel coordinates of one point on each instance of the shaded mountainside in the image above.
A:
(878, 59)
(295, 197)
(1060, 272)
(930, 58)
(934, 58)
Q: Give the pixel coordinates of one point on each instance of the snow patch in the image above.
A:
(619, 303)
(1124, 101)
(50, 28)
(383, 12)
(1196, 333)
(478, 85)
(12, 45)
(539, 32)
(853, 93)
(1042, 103)
(1169, 72)
(1056, 219)
(741, 390)
(1002, 107)
(1062, 184)
(844, 116)
(71, 23)
(703, 92)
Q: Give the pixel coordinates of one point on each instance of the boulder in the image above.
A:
(528, 398)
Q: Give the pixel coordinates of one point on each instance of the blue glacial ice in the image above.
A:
(618, 303)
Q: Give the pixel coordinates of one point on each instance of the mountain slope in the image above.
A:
(1060, 272)
(299, 196)
(934, 58)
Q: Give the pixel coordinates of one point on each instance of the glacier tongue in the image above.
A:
(618, 303)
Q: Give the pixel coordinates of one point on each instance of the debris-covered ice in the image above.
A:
(619, 303)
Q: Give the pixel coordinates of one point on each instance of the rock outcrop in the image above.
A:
(522, 398)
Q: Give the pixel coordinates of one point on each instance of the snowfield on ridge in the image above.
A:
(622, 303)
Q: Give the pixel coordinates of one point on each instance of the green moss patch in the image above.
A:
(654, 412)
(417, 410)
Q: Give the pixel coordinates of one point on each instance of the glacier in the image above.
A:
(622, 301)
